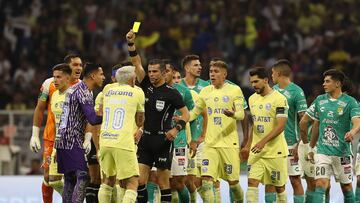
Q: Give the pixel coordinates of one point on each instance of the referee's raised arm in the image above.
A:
(135, 58)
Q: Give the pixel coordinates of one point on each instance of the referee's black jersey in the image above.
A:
(160, 104)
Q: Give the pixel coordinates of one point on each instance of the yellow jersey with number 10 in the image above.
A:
(120, 104)
(264, 111)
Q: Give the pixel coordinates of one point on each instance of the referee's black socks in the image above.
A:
(165, 195)
(92, 191)
(142, 196)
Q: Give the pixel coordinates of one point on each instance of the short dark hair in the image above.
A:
(219, 64)
(90, 68)
(187, 59)
(216, 59)
(336, 75)
(261, 72)
(283, 66)
(64, 67)
(158, 62)
(67, 58)
(169, 62)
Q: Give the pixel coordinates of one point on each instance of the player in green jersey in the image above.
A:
(180, 159)
(334, 112)
(192, 66)
(281, 73)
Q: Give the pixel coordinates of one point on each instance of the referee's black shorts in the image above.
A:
(155, 150)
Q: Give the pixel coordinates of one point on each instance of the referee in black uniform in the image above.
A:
(156, 145)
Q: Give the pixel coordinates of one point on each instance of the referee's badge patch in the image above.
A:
(160, 105)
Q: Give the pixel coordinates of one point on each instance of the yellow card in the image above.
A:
(136, 27)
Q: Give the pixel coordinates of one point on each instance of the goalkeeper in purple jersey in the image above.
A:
(70, 142)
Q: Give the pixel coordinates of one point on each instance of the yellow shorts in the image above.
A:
(53, 166)
(119, 162)
(192, 168)
(269, 171)
(221, 163)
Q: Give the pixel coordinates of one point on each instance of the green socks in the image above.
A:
(270, 197)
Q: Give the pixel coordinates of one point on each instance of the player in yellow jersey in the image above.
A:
(121, 103)
(61, 74)
(224, 103)
(268, 157)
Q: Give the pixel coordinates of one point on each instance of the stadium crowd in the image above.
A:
(314, 35)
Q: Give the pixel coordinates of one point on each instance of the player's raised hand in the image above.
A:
(35, 145)
(171, 134)
(130, 37)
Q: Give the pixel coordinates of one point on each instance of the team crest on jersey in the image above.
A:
(225, 99)
(268, 106)
(330, 133)
(160, 105)
(228, 168)
(340, 111)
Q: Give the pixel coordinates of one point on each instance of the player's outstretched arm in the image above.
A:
(134, 56)
(40, 108)
(90, 114)
(180, 124)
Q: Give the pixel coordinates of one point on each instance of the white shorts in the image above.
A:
(294, 168)
(357, 165)
(307, 167)
(340, 167)
(180, 162)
